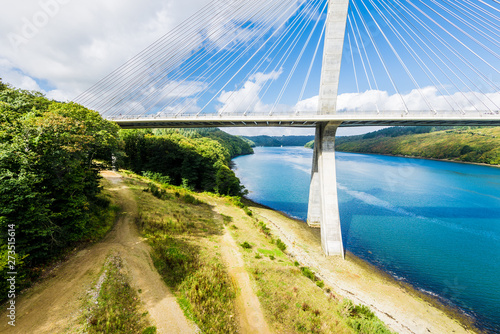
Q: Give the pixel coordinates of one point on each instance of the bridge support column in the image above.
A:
(314, 207)
(323, 209)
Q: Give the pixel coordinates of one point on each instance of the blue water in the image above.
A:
(433, 224)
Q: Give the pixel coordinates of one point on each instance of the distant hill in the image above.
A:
(467, 144)
(276, 141)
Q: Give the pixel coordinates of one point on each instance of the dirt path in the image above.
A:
(401, 311)
(248, 307)
(53, 306)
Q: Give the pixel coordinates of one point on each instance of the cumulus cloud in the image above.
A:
(65, 46)
(69, 45)
(415, 101)
(247, 99)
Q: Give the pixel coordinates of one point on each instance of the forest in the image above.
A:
(50, 157)
(277, 141)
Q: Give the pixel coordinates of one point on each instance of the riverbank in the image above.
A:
(399, 305)
(422, 158)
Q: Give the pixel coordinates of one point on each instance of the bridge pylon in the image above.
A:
(323, 210)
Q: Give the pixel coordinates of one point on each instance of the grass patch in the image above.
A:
(113, 306)
(184, 237)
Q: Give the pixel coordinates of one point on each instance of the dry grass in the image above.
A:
(184, 238)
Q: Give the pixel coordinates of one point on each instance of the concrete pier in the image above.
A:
(323, 210)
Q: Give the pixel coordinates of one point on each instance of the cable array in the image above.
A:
(264, 56)
(444, 56)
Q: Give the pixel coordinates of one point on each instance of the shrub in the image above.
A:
(190, 199)
(281, 245)
(158, 177)
(150, 330)
(156, 191)
(264, 229)
(237, 201)
(308, 273)
(246, 245)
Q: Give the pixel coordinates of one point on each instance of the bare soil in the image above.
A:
(54, 305)
(248, 308)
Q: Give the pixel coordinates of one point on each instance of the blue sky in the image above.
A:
(63, 47)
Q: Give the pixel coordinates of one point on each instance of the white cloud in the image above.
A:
(415, 101)
(70, 45)
(15, 77)
(246, 99)
(63, 47)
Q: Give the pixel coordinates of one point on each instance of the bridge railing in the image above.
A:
(347, 114)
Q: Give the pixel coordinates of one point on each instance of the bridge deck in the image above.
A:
(204, 121)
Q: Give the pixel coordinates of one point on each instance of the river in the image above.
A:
(433, 224)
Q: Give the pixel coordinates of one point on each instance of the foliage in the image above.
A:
(281, 245)
(156, 177)
(309, 144)
(235, 145)
(49, 182)
(264, 229)
(308, 273)
(246, 245)
(184, 157)
(276, 141)
(361, 318)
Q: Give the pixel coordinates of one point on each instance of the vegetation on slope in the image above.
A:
(277, 141)
(49, 182)
(294, 299)
(192, 158)
(478, 145)
(467, 144)
(184, 237)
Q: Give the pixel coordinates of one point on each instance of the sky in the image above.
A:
(63, 47)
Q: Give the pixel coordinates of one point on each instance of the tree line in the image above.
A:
(196, 159)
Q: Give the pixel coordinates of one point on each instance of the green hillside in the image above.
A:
(467, 144)
(277, 141)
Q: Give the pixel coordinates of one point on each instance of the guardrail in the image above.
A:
(348, 115)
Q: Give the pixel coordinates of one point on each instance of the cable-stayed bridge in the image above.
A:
(314, 63)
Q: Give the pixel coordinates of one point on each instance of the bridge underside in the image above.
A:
(271, 121)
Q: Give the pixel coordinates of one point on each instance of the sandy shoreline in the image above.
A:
(403, 308)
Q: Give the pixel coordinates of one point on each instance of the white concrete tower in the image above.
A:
(323, 208)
